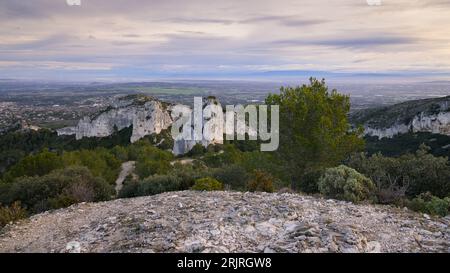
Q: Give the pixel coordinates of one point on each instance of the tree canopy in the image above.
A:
(314, 128)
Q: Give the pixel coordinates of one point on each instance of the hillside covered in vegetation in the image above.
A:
(319, 153)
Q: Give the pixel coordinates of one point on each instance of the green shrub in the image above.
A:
(234, 176)
(309, 182)
(39, 164)
(207, 184)
(410, 174)
(430, 204)
(345, 183)
(260, 181)
(150, 160)
(120, 153)
(60, 188)
(246, 145)
(197, 150)
(158, 184)
(268, 162)
(189, 173)
(101, 162)
(163, 140)
(129, 189)
(230, 155)
(182, 177)
(144, 150)
(12, 213)
(146, 168)
(151, 185)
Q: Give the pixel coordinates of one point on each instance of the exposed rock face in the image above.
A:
(145, 114)
(150, 116)
(227, 222)
(438, 123)
(212, 127)
(181, 145)
(67, 131)
(429, 115)
(151, 120)
(422, 122)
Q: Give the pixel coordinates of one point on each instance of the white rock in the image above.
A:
(266, 228)
(269, 250)
(73, 247)
(373, 247)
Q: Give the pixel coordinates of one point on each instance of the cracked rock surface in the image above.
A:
(191, 221)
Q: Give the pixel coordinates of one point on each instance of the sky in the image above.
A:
(125, 40)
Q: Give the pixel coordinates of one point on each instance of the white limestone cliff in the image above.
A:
(436, 123)
(212, 127)
(146, 115)
(149, 116)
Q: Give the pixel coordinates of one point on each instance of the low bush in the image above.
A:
(408, 175)
(189, 173)
(120, 152)
(345, 183)
(143, 149)
(100, 161)
(260, 181)
(60, 188)
(233, 176)
(197, 150)
(11, 213)
(151, 185)
(309, 182)
(39, 164)
(207, 184)
(146, 168)
(229, 155)
(427, 203)
(158, 184)
(129, 189)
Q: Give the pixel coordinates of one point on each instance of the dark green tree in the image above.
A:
(314, 128)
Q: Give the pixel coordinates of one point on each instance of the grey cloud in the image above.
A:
(131, 35)
(284, 20)
(264, 33)
(187, 20)
(191, 32)
(435, 3)
(366, 41)
(50, 41)
(362, 42)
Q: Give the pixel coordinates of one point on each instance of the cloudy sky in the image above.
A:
(155, 39)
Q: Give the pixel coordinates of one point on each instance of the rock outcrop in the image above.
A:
(147, 116)
(428, 115)
(212, 127)
(227, 222)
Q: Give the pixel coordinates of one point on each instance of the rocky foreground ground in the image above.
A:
(227, 222)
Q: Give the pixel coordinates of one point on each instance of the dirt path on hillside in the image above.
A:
(127, 169)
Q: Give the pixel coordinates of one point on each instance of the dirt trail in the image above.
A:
(127, 169)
